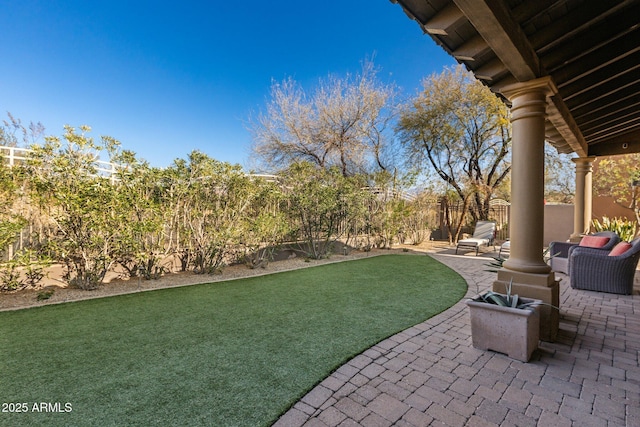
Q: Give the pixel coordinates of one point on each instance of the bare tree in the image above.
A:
(458, 128)
(14, 134)
(559, 176)
(343, 123)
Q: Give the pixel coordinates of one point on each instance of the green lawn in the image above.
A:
(223, 354)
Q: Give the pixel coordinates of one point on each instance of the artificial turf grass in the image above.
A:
(227, 353)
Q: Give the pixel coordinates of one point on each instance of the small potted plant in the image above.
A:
(505, 323)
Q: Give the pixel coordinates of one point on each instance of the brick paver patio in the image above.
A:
(431, 375)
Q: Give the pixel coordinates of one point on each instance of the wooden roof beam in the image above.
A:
(470, 50)
(443, 20)
(490, 71)
(558, 115)
(492, 19)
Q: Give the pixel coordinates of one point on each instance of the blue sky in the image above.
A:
(166, 78)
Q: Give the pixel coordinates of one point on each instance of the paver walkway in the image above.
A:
(431, 375)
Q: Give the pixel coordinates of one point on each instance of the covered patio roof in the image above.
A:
(589, 49)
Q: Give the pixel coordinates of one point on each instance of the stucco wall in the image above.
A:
(558, 223)
(606, 206)
(558, 219)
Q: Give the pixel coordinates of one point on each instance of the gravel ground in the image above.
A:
(116, 286)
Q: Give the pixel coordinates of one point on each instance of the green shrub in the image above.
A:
(9, 277)
(45, 294)
(25, 270)
(623, 227)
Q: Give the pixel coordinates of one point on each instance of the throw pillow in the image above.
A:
(594, 241)
(620, 248)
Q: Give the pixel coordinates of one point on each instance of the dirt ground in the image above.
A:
(117, 286)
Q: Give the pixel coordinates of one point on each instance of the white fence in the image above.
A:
(16, 155)
(388, 193)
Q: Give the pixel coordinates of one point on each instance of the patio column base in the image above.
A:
(535, 286)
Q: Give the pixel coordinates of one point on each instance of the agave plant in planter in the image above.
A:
(505, 323)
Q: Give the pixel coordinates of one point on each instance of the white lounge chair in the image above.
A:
(505, 248)
(483, 234)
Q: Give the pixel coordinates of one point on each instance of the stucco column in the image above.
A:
(526, 271)
(583, 199)
(528, 112)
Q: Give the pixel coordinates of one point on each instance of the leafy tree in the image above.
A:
(174, 191)
(389, 218)
(321, 203)
(14, 209)
(421, 217)
(11, 222)
(386, 212)
(141, 242)
(615, 176)
(81, 205)
(265, 226)
(215, 196)
(342, 123)
(461, 130)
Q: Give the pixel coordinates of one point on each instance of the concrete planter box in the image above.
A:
(512, 331)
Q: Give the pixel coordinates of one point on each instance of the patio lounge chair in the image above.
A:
(559, 251)
(505, 248)
(604, 271)
(483, 234)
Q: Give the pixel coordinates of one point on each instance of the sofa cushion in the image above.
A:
(594, 241)
(620, 248)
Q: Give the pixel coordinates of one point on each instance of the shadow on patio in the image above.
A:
(431, 375)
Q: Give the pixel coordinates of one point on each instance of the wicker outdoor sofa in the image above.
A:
(596, 270)
(559, 251)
